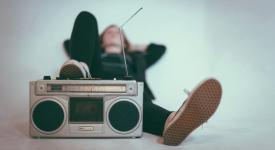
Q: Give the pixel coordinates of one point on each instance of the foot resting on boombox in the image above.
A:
(73, 69)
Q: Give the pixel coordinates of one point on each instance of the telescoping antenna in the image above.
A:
(122, 43)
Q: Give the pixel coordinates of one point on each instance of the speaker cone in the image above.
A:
(123, 116)
(48, 115)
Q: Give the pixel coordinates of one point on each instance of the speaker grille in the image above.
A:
(48, 116)
(124, 116)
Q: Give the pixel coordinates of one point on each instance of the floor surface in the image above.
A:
(212, 135)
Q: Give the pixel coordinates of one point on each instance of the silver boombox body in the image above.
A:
(86, 108)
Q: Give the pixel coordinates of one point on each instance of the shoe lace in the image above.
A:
(187, 92)
(88, 75)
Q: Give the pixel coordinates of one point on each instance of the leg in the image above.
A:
(154, 118)
(84, 43)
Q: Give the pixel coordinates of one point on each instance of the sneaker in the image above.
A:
(73, 69)
(200, 105)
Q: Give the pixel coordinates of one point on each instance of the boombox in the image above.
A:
(86, 108)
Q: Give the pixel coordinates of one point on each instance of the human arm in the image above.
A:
(151, 53)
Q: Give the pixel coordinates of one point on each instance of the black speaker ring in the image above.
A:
(43, 100)
(139, 112)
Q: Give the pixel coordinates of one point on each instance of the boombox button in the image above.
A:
(86, 128)
(130, 88)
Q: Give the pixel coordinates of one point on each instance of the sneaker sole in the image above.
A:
(201, 105)
(71, 71)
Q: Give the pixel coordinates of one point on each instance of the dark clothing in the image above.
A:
(112, 65)
(84, 46)
(137, 62)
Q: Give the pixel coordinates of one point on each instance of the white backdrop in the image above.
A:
(230, 40)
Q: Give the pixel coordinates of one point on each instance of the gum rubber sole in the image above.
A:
(71, 71)
(200, 106)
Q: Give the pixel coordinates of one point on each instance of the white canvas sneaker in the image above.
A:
(73, 69)
(86, 68)
(200, 105)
